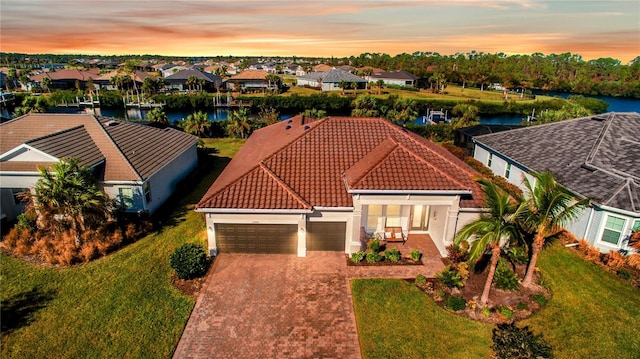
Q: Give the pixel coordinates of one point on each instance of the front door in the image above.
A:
(420, 218)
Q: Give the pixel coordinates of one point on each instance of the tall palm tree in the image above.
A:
(493, 230)
(239, 125)
(69, 194)
(46, 82)
(197, 124)
(549, 207)
(158, 115)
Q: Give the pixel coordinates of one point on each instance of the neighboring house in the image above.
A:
(330, 80)
(137, 165)
(178, 81)
(65, 79)
(250, 79)
(306, 185)
(104, 81)
(322, 68)
(170, 69)
(596, 157)
(399, 77)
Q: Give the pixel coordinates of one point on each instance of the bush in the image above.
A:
(540, 299)
(420, 280)
(522, 306)
(615, 259)
(450, 278)
(189, 261)
(624, 274)
(357, 257)
(373, 257)
(504, 277)
(486, 312)
(455, 303)
(633, 260)
(463, 271)
(456, 253)
(415, 255)
(374, 245)
(505, 311)
(518, 255)
(392, 255)
(509, 341)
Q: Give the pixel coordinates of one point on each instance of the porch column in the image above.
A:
(302, 236)
(212, 244)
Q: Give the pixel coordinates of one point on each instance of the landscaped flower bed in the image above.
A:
(377, 255)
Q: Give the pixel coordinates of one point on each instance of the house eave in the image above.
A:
(253, 210)
(393, 191)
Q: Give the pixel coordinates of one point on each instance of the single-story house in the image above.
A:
(312, 185)
(179, 80)
(250, 79)
(136, 164)
(399, 77)
(65, 79)
(595, 157)
(330, 80)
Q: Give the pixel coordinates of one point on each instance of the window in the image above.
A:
(612, 230)
(393, 215)
(489, 160)
(374, 212)
(507, 171)
(636, 225)
(126, 197)
(147, 191)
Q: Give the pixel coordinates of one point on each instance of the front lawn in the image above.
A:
(592, 315)
(120, 306)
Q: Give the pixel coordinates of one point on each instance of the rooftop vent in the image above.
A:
(288, 127)
(290, 121)
(307, 127)
(599, 118)
(111, 123)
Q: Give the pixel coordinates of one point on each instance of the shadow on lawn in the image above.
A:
(19, 310)
(190, 190)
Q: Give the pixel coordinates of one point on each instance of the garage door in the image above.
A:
(326, 236)
(257, 238)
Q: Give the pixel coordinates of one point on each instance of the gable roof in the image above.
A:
(184, 75)
(132, 152)
(250, 75)
(595, 157)
(332, 76)
(299, 164)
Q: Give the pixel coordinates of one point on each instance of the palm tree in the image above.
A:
(70, 196)
(493, 230)
(197, 124)
(272, 79)
(380, 85)
(46, 82)
(239, 125)
(467, 115)
(549, 207)
(158, 115)
(191, 82)
(343, 85)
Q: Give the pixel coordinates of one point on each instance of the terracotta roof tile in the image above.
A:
(313, 159)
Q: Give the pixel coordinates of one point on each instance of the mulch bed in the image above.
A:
(191, 287)
(401, 262)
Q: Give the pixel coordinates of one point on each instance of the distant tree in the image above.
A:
(314, 113)
(466, 115)
(197, 124)
(238, 124)
(158, 115)
(269, 115)
(46, 82)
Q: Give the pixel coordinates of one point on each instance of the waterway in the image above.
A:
(615, 105)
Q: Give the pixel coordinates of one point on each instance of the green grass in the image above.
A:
(397, 320)
(592, 314)
(120, 306)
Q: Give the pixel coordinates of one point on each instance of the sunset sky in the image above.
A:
(590, 28)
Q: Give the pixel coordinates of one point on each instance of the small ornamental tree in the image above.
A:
(189, 261)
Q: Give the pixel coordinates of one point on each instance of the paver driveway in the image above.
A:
(273, 306)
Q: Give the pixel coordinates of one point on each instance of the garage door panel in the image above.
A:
(326, 236)
(257, 238)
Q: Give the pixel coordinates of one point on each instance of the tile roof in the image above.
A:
(299, 164)
(595, 157)
(249, 75)
(132, 151)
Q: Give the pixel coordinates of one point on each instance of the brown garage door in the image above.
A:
(257, 238)
(326, 236)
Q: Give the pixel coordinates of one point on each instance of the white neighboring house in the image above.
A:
(399, 77)
(330, 80)
(324, 185)
(136, 164)
(595, 157)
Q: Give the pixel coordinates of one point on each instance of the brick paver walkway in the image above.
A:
(281, 306)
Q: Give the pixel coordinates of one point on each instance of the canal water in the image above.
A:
(615, 105)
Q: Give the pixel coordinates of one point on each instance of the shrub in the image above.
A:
(415, 255)
(457, 253)
(463, 271)
(189, 261)
(374, 245)
(357, 257)
(518, 255)
(392, 255)
(373, 257)
(509, 341)
(420, 280)
(615, 259)
(505, 311)
(522, 306)
(27, 220)
(633, 260)
(540, 299)
(450, 278)
(624, 274)
(504, 277)
(486, 312)
(567, 237)
(455, 303)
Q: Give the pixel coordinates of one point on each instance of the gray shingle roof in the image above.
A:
(184, 75)
(333, 76)
(596, 157)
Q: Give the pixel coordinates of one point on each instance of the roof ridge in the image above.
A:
(228, 185)
(464, 168)
(118, 149)
(295, 140)
(454, 180)
(54, 134)
(378, 163)
(596, 145)
(284, 186)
